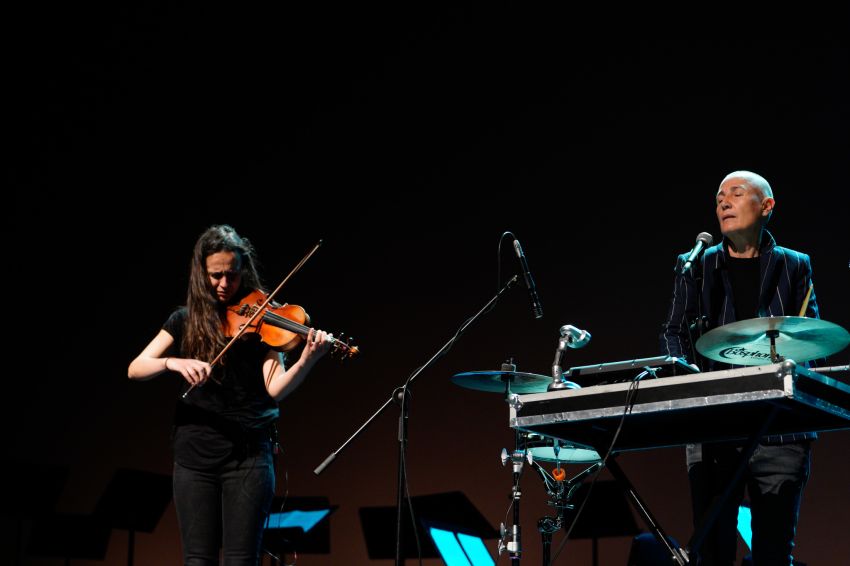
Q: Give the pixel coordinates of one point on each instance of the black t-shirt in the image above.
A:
(744, 277)
(227, 419)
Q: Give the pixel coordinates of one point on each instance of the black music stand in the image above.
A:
(451, 510)
(134, 500)
(606, 514)
(30, 492)
(68, 536)
(281, 536)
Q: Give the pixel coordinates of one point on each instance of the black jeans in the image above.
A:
(775, 477)
(225, 509)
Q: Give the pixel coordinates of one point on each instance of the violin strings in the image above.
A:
(285, 322)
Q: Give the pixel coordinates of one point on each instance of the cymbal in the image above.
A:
(747, 342)
(495, 381)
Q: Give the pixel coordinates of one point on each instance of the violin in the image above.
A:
(281, 327)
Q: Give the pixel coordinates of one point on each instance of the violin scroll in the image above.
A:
(342, 348)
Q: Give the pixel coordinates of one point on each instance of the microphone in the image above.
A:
(536, 307)
(704, 239)
(575, 337)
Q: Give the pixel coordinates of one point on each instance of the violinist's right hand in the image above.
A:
(195, 372)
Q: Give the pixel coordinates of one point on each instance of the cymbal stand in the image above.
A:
(547, 527)
(774, 356)
(514, 545)
(560, 493)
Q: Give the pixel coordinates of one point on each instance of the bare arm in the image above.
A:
(280, 380)
(150, 363)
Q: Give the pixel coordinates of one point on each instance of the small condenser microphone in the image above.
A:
(536, 306)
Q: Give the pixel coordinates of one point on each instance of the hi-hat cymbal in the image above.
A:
(495, 381)
(747, 342)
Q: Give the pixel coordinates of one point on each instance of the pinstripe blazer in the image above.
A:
(706, 291)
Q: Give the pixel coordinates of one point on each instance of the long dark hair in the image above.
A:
(204, 337)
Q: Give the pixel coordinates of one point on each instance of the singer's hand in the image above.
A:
(195, 372)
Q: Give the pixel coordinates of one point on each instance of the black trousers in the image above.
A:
(774, 480)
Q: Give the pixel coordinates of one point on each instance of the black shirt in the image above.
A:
(744, 278)
(223, 420)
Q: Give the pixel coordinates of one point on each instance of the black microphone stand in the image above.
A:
(700, 324)
(399, 396)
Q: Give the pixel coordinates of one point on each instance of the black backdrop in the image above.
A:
(408, 140)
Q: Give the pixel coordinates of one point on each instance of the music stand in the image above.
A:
(296, 529)
(606, 514)
(134, 500)
(451, 510)
(31, 492)
(69, 536)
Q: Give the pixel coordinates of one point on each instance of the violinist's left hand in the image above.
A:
(280, 380)
(317, 345)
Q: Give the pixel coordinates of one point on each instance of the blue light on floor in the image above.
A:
(459, 549)
(306, 520)
(449, 548)
(476, 550)
(745, 525)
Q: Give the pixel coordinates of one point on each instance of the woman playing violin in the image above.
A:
(224, 423)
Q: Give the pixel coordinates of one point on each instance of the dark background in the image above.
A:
(408, 140)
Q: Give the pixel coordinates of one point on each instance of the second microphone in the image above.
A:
(536, 305)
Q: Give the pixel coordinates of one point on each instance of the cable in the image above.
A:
(499, 264)
(277, 450)
(404, 472)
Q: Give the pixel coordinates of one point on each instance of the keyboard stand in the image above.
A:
(679, 556)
